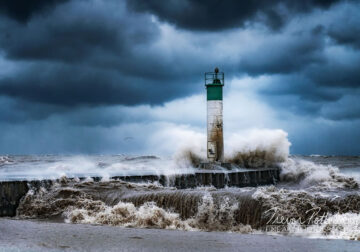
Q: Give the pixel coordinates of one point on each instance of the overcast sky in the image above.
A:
(114, 76)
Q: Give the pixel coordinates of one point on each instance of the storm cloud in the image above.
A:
(218, 15)
(92, 53)
(23, 10)
(102, 66)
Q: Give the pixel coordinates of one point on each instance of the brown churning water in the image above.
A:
(310, 188)
(205, 208)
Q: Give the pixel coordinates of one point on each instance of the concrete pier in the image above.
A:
(10, 195)
(216, 178)
(11, 192)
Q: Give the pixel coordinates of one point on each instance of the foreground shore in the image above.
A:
(31, 235)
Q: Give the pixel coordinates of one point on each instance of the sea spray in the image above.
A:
(256, 148)
(6, 160)
(336, 226)
(253, 148)
(306, 174)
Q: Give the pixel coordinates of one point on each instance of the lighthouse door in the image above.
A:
(211, 150)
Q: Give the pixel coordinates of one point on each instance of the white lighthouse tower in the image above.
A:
(214, 82)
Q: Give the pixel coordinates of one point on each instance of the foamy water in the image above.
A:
(239, 210)
(53, 167)
(314, 200)
(318, 196)
(335, 226)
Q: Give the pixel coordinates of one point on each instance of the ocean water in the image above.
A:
(318, 196)
(27, 167)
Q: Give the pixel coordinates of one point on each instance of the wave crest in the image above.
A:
(4, 160)
(308, 174)
(250, 149)
(146, 205)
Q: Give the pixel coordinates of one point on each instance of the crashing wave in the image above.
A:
(336, 226)
(147, 205)
(149, 215)
(4, 160)
(250, 149)
(131, 205)
(306, 174)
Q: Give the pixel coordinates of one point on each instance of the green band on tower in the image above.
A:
(214, 92)
(214, 82)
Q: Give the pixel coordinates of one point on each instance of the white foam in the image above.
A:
(84, 166)
(209, 217)
(254, 148)
(307, 174)
(337, 226)
(272, 141)
(5, 160)
(127, 215)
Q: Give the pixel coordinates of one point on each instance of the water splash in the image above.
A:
(307, 174)
(251, 149)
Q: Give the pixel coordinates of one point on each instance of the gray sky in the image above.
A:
(127, 76)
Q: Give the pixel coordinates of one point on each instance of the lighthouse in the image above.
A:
(214, 82)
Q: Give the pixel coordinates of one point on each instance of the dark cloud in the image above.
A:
(285, 54)
(79, 32)
(300, 95)
(55, 137)
(347, 108)
(324, 138)
(15, 111)
(99, 53)
(345, 29)
(314, 90)
(88, 53)
(23, 10)
(347, 36)
(336, 74)
(216, 14)
(71, 86)
(297, 95)
(301, 87)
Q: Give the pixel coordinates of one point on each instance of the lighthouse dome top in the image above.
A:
(214, 78)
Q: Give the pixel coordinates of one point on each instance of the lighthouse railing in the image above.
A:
(211, 76)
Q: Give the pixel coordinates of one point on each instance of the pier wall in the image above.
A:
(11, 192)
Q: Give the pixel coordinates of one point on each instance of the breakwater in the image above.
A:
(11, 192)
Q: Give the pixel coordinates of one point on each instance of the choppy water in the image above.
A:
(318, 196)
(54, 166)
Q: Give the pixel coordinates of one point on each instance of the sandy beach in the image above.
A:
(31, 235)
